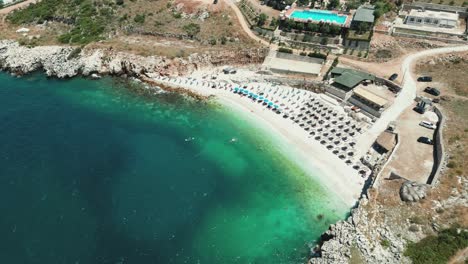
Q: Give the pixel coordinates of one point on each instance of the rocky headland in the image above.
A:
(66, 62)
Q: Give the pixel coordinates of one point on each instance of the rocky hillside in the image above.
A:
(80, 22)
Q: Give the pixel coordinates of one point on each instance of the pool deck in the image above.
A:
(347, 23)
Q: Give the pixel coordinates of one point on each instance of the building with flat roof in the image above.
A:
(284, 63)
(370, 99)
(364, 14)
(347, 79)
(432, 18)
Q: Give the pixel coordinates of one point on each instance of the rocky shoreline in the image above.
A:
(66, 62)
(359, 232)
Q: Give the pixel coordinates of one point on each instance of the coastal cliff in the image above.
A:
(65, 62)
(361, 233)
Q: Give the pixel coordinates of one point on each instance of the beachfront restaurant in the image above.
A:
(347, 79)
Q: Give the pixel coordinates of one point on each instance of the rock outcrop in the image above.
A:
(64, 62)
(372, 240)
(412, 191)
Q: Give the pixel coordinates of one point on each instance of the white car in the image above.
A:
(428, 125)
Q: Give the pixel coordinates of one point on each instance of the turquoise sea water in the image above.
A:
(97, 172)
(319, 15)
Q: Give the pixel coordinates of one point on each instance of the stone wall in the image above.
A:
(439, 151)
(409, 35)
(337, 92)
(294, 57)
(393, 86)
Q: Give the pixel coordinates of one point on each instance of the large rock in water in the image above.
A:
(412, 191)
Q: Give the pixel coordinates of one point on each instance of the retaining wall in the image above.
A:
(367, 110)
(439, 151)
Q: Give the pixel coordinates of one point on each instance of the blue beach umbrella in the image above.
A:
(270, 103)
(266, 100)
(261, 98)
(275, 106)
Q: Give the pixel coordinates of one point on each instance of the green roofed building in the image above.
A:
(346, 79)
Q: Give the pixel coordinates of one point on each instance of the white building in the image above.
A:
(432, 18)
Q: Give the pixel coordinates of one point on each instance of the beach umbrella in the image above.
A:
(270, 103)
(276, 106)
(261, 98)
(266, 100)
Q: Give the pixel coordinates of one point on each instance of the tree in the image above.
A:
(302, 2)
(274, 22)
(300, 26)
(333, 4)
(261, 19)
(313, 27)
(192, 29)
(362, 27)
(1, 3)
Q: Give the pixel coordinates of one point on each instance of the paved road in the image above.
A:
(404, 100)
(14, 7)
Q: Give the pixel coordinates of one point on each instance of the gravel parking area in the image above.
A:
(413, 160)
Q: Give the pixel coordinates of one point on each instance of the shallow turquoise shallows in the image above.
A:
(319, 15)
(106, 172)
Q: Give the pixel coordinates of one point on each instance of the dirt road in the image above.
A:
(244, 24)
(404, 99)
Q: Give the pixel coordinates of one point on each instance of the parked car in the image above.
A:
(432, 90)
(436, 100)
(425, 140)
(428, 125)
(393, 77)
(425, 79)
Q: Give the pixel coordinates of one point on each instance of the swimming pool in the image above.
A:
(319, 15)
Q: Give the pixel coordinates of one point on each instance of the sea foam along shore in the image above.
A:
(314, 158)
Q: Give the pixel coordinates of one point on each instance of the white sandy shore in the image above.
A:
(320, 163)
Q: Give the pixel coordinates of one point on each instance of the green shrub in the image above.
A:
(192, 29)
(74, 53)
(140, 18)
(416, 220)
(303, 53)
(285, 50)
(324, 41)
(451, 164)
(316, 54)
(437, 249)
(119, 2)
(385, 243)
(223, 40)
(212, 41)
